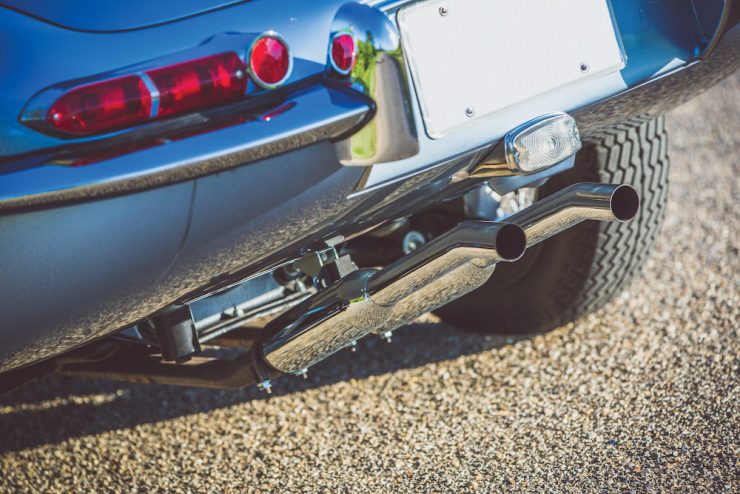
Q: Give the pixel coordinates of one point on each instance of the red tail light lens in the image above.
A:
(343, 53)
(102, 106)
(269, 61)
(199, 83)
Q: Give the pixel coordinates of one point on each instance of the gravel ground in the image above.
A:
(641, 396)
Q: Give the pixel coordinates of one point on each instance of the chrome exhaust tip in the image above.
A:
(624, 203)
(511, 242)
(572, 205)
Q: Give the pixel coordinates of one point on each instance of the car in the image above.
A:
(283, 178)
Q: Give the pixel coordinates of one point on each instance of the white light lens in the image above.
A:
(542, 143)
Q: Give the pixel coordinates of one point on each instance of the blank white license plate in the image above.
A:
(472, 58)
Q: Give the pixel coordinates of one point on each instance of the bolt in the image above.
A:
(470, 112)
(412, 241)
(387, 336)
(303, 373)
(443, 11)
(353, 346)
(265, 386)
(584, 67)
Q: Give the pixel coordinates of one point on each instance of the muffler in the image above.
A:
(453, 264)
(377, 301)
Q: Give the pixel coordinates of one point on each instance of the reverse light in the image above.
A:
(102, 106)
(199, 83)
(541, 143)
(269, 60)
(343, 53)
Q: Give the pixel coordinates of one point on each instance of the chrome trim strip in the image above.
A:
(391, 135)
(153, 92)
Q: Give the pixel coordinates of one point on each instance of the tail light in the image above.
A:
(199, 83)
(134, 99)
(102, 106)
(270, 62)
(343, 53)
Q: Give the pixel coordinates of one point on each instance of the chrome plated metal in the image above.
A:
(375, 301)
(379, 73)
(325, 323)
(570, 206)
(446, 268)
(453, 264)
(503, 160)
(153, 92)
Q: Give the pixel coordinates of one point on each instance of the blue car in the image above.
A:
(286, 177)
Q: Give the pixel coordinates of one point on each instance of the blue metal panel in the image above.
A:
(114, 15)
(655, 33)
(71, 273)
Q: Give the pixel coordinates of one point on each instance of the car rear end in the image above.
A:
(203, 171)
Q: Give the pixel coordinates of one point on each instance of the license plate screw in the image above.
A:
(584, 67)
(443, 11)
(470, 112)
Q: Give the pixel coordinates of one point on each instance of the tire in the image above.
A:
(581, 269)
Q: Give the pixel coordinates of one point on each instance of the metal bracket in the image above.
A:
(312, 262)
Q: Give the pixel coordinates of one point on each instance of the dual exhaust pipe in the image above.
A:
(453, 264)
(378, 301)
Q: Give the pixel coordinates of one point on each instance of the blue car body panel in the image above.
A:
(95, 16)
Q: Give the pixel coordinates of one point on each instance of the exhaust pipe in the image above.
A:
(457, 262)
(376, 301)
(568, 207)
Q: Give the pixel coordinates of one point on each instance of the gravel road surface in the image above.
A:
(640, 397)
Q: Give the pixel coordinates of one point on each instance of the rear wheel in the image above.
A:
(581, 269)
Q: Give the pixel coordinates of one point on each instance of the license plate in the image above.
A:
(472, 58)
